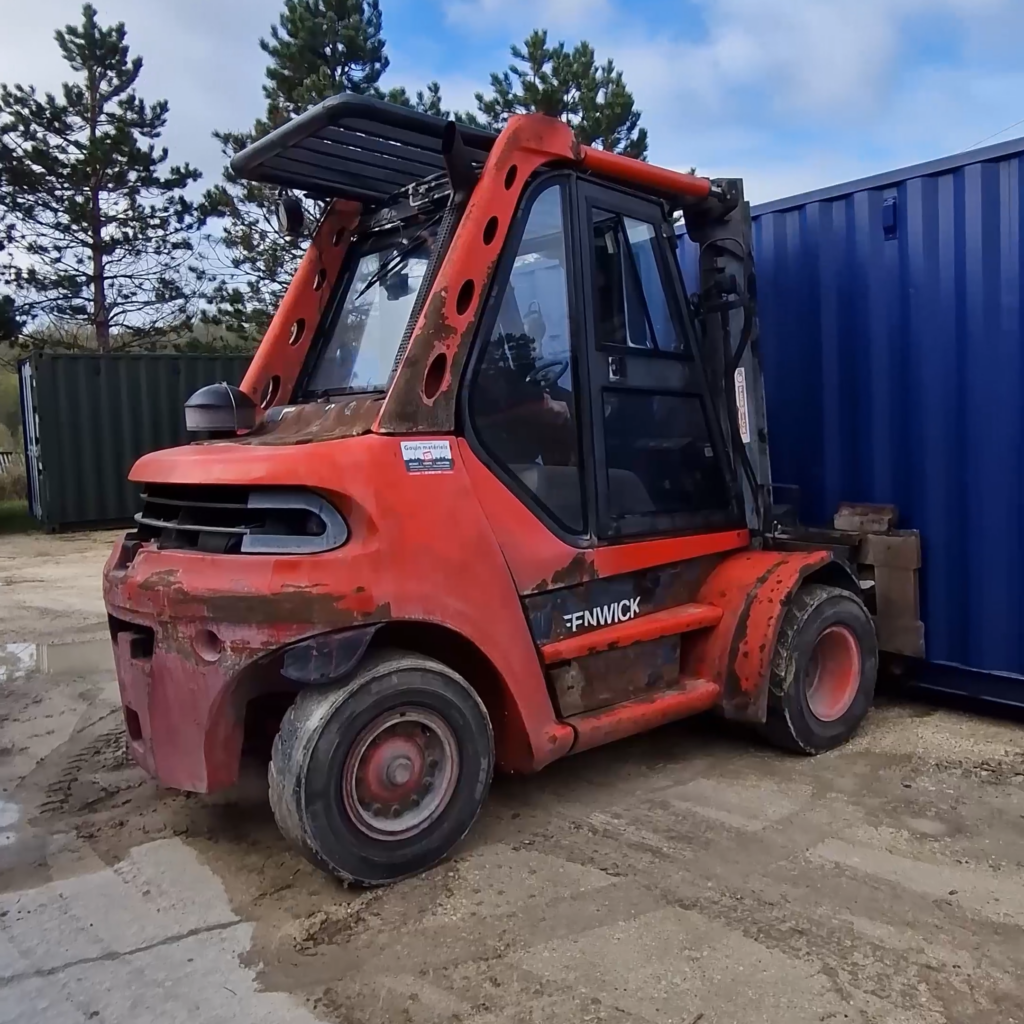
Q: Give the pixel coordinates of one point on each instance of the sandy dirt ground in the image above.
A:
(50, 586)
(687, 876)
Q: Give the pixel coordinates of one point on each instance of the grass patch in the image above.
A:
(15, 517)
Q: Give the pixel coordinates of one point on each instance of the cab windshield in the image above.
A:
(370, 317)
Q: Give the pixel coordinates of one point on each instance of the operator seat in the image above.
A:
(558, 488)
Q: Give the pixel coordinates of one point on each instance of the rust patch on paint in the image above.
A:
(317, 421)
(164, 579)
(288, 606)
(579, 569)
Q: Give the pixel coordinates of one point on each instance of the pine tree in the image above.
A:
(318, 49)
(568, 84)
(429, 101)
(10, 326)
(103, 236)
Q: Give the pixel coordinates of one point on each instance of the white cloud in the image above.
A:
(523, 15)
(201, 55)
(793, 94)
(798, 94)
(815, 58)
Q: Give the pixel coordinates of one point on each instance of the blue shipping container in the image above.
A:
(893, 349)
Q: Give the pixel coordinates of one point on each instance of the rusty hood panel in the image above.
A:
(317, 421)
(270, 462)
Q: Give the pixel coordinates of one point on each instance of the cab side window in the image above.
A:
(632, 308)
(522, 401)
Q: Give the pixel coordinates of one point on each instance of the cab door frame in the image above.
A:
(669, 373)
(566, 180)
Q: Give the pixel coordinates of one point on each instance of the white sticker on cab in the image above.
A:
(427, 456)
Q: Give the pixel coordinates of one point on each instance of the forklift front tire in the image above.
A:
(823, 671)
(378, 777)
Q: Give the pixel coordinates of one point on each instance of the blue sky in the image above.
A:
(789, 94)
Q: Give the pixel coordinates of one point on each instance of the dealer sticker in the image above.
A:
(427, 456)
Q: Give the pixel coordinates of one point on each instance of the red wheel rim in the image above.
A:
(400, 773)
(833, 676)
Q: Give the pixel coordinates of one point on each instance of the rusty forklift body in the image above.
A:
(507, 496)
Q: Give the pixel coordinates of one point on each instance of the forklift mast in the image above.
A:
(727, 312)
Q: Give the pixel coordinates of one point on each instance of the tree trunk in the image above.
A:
(100, 313)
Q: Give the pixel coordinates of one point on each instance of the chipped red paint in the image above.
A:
(752, 589)
(387, 571)
(281, 352)
(595, 728)
(190, 710)
(683, 619)
(443, 334)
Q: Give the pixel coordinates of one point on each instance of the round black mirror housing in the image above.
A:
(291, 218)
(220, 410)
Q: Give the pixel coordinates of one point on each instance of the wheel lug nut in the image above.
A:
(428, 782)
(432, 762)
(396, 811)
(415, 800)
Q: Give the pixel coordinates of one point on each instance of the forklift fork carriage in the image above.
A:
(494, 490)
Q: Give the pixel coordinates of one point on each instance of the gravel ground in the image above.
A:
(689, 875)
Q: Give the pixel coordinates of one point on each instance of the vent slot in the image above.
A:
(238, 520)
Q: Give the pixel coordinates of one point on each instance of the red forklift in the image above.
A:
(494, 490)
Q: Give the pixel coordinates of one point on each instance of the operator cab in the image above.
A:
(585, 391)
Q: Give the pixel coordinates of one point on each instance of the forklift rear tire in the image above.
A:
(378, 777)
(823, 671)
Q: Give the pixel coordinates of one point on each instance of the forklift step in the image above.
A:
(684, 618)
(595, 728)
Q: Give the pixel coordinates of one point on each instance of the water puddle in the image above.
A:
(10, 812)
(20, 661)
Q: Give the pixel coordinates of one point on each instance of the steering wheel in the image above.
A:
(548, 372)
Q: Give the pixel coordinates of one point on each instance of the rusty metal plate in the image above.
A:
(611, 677)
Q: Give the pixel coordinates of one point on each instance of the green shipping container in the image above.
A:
(88, 417)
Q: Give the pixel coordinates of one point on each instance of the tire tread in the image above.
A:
(300, 728)
(779, 728)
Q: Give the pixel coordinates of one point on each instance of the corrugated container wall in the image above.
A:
(893, 349)
(94, 415)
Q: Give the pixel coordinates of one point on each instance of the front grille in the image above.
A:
(238, 520)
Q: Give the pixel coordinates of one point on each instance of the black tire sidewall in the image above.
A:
(810, 732)
(335, 837)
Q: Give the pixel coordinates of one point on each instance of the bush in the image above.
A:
(14, 483)
(10, 404)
